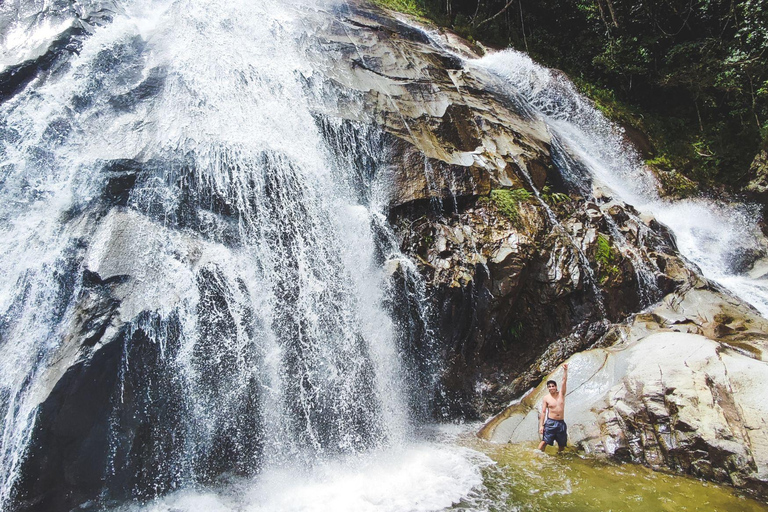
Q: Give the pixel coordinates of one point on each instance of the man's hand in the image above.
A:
(565, 367)
(541, 430)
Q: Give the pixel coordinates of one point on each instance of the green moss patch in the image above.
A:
(507, 202)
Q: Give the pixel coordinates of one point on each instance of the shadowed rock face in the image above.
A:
(112, 422)
(517, 296)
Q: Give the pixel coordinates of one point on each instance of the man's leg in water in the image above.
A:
(542, 445)
(561, 437)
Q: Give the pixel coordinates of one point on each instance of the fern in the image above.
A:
(507, 202)
(606, 259)
(554, 198)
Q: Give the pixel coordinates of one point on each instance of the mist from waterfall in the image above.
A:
(595, 158)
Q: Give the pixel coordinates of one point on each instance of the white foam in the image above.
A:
(418, 478)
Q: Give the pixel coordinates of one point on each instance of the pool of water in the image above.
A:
(453, 471)
(521, 478)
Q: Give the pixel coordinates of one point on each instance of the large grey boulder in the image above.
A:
(666, 397)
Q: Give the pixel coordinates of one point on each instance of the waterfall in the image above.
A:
(595, 159)
(202, 303)
(179, 214)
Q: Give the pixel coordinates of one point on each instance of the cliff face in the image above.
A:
(523, 269)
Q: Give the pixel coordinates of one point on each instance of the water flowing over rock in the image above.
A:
(193, 276)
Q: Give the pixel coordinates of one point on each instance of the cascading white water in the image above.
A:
(711, 234)
(245, 264)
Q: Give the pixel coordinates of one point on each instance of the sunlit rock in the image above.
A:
(666, 397)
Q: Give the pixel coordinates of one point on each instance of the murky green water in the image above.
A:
(524, 479)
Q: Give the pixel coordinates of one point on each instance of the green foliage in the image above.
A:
(662, 163)
(507, 202)
(520, 195)
(606, 259)
(413, 7)
(604, 252)
(672, 182)
(554, 198)
(516, 332)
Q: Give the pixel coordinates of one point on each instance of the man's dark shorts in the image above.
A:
(555, 430)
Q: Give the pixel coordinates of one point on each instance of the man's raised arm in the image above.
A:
(565, 380)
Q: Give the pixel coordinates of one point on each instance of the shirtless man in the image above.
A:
(553, 410)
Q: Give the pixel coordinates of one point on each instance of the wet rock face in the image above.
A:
(79, 450)
(519, 290)
(453, 133)
(113, 420)
(24, 63)
(522, 270)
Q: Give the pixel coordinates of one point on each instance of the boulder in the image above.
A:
(680, 393)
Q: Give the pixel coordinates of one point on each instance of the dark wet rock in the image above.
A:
(113, 421)
(516, 294)
(66, 458)
(121, 177)
(148, 88)
(639, 140)
(14, 78)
